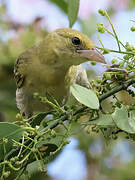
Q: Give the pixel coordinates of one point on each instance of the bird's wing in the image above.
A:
(18, 70)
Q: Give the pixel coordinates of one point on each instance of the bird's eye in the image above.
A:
(76, 41)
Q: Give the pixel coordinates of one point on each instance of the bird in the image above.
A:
(50, 67)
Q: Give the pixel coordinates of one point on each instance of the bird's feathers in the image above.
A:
(19, 77)
(48, 68)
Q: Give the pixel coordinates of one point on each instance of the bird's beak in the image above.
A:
(92, 55)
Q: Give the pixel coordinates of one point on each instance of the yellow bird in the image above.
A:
(50, 67)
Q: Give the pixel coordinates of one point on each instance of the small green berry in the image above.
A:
(128, 68)
(17, 163)
(6, 174)
(36, 95)
(101, 29)
(5, 140)
(12, 159)
(53, 133)
(126, 57)
(107, 76)
(100, 24)
(106, 51)
(99, 81)
(114, 61)
(128, 46)
(93, 63)
(18, 116)
(102, 12)
(132, 28)
(66, 142)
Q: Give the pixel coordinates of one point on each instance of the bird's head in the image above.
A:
(74, 47)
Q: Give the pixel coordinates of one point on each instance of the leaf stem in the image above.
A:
(100, 40)
(109, 93)
(120, 52)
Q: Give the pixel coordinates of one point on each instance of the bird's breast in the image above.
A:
(48, 80)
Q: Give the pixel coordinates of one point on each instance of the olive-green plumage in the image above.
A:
(47, 68)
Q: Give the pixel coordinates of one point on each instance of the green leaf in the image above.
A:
(9, 132)
(132, 119)
(123, 120)
(33, 168)
(103, 120)
(86, 27)
(73, 7)
(61, 4)
(85, 96)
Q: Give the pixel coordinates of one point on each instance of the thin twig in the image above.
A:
(109, 93)
(120, 52)
(113, 30)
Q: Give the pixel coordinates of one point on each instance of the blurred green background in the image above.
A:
(24, 23)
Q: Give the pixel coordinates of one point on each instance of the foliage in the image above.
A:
(26, 144)
(85, 96)
(73, 7)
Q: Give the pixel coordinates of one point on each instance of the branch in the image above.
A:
(116, 89)
(66, 116)
(113, 91)
(115, 51)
